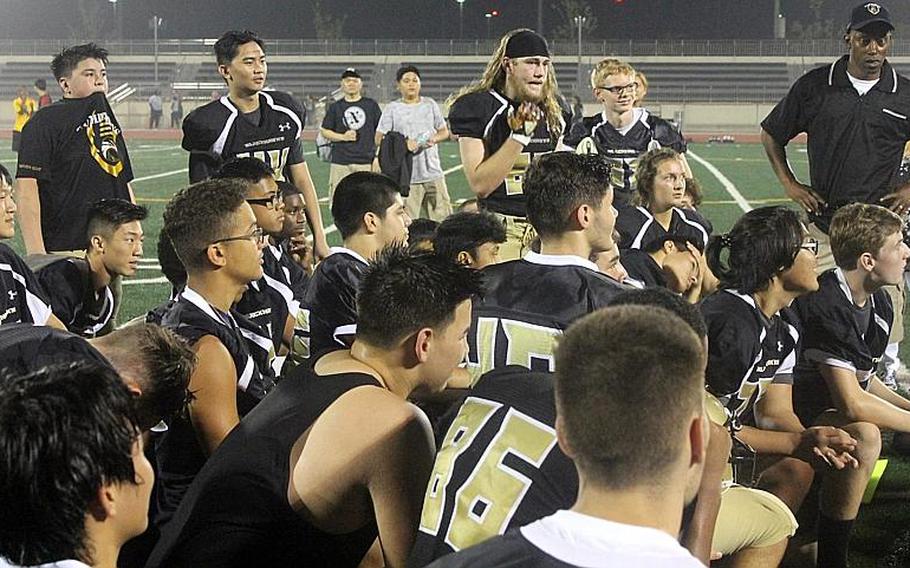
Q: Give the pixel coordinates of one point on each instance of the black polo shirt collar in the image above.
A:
(837, 76)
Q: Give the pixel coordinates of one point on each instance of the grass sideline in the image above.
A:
(160, 170)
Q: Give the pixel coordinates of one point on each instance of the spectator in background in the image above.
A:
(44, 99)
(24, 108)
(74, 482)
(350, 125)
(421, 122)
(156, 109)
(176, 110)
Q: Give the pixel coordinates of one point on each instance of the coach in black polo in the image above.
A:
(855, 113)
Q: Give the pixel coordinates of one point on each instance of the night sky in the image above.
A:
(619, 19)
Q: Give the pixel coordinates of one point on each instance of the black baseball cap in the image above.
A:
(869, 13)
(350, 72)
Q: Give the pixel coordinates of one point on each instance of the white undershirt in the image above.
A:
(862, 87)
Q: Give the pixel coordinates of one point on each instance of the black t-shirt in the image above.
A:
(22, 298)
(26, 348)
(855, 142)
(179, 455)
(483, 115)
(75, 150)
(511, 550)
(746, 350)
(838, 333)
(528, 304)
(218, 132)
(68, 282)
(498, 465)
(638, 228)
(642, 269)
(648, 132)
(237, 511)
(362, 116)
(329, 308)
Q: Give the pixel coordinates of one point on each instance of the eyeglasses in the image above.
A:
(257, 236)
(810, 245)
(268, 202)
(619, 89)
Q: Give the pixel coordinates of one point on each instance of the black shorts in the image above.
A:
(17, 140)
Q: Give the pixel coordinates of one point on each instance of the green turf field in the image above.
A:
(733, 176)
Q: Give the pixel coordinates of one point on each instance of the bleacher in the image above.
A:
(140, 74)
(300, 78)
(716, 82)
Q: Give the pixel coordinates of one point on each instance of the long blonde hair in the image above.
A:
(494, 77)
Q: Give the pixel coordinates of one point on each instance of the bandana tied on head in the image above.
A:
(527, 44)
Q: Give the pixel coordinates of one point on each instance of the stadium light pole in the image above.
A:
(156, 22)
(580, 22)
(460, 18)
(116, 22)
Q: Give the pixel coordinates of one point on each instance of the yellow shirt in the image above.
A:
(24, 108)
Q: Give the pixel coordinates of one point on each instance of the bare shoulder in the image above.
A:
(376, 408)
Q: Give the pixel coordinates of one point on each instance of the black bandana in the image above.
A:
(527, 44)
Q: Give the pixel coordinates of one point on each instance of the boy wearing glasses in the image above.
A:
(214, 233)
(269, 301)
(622, 132)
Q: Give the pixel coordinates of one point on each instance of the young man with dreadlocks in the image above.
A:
(502, 121)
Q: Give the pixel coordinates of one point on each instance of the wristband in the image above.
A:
(522, 139)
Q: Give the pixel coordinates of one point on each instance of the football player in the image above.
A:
(531, 301)
(22, 299)
(472, 239)
(669, 262)
(502, 122)
(214, 233)
(79, 288)
(751, 354)
(370, 215)
(623, 131)
(250, 121)
(634, 470)
(260, 500)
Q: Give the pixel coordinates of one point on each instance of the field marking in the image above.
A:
(143, 148)
(161, 175)
(724, 181)
(159, 280)
(767, 201)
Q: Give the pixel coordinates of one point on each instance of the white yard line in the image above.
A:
(724, 181)
(159, 280)
(161, 175)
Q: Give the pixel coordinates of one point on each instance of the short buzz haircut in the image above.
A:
(859, 228)
(402, 293)
(619, 437)
(105, 216)
(610, 66)
(249, 169)
(646, 173)
(358, 194)
(65, 431)
(199, 215)
(467, 232)
(664, 298)
(230, 41)
(66, 61)
(41, 84)
(288, 189)
(557, 184)
(162, 360)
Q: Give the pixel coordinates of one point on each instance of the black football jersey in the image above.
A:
(294, 274)
(237, 512)
(643, 270)
(329, 309)
(178, 451)
(528, 304)
(68, 283)
(746, 350)
(217, 132)
(22, 298)
(498, 465)
(638, 228)
(75, 150)
(836, 332)
(269, 301)
(26, 348)
(595, 134)
(483, 115)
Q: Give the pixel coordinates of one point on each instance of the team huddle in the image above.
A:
(571, 369)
